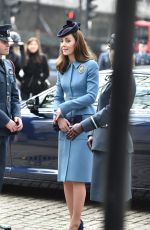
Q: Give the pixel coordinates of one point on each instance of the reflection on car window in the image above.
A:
(104, 78)
(48, 101)
(142, 99)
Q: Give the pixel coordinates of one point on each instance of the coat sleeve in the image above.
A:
(87, 99)
(59, 94)
(102, 118)
(15, 102)
(15, 107)
(4, 118)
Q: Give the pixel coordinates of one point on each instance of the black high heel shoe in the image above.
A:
(81, 226)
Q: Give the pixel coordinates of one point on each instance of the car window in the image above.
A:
(52, 64)
(141, 101)
(142, 98)
(102, 81)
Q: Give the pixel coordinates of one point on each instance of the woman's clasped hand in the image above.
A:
(74, 131)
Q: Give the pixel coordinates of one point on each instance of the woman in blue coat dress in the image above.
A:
(76, 91)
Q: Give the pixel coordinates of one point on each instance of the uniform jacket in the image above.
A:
(82, 81)
(9, 97)
(100, 121)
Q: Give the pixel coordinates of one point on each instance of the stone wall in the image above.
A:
(46, 21)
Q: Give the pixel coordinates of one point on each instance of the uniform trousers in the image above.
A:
(4, 141)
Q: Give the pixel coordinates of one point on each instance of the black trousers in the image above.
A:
(4, 143)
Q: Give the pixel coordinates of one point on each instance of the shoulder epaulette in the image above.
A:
(11, 64)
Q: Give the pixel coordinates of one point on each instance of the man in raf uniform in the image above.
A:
(10, 116)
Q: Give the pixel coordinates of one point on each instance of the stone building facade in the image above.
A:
(43, 18)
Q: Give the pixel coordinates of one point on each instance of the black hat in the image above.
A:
(143, 42)
(69, 28)
(16, 38)
(5, 32)
(112, 41)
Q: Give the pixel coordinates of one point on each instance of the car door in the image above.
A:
(140, 131)
(34, 149)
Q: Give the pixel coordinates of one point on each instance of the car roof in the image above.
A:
(136, 70)
(142, 70)
(52, 61)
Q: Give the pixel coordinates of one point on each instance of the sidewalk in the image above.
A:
(33, 210)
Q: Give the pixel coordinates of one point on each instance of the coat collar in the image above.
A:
(2, 68)
(76, 64)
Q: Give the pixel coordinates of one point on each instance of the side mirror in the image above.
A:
(33, 104)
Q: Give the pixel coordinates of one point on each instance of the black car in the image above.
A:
(32, 160)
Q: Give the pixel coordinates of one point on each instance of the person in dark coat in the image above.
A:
(17, 58)
(98, 140)
(76, 91)
(10, 116)
(142, 57)
(36, 70)
(104, 61)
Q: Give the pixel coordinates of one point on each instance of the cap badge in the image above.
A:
(10, 72)
(82, 68)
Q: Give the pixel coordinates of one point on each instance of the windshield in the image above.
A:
(141, 34)
(142, 98)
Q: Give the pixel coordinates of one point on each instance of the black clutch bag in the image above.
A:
(75, 119)
(56, 127)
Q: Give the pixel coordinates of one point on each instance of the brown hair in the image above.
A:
(82, 53)
(36, 56)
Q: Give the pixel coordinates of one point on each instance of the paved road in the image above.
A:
(34, 209)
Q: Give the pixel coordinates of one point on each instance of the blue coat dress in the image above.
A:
(76, 91)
